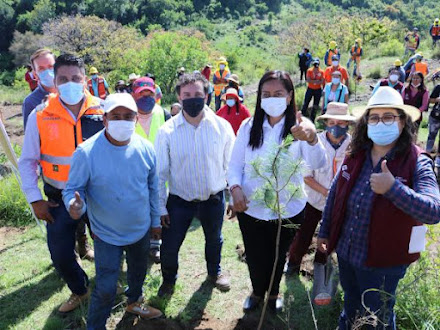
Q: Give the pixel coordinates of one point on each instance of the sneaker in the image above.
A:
(251, 303)
(165, 290)
(145, 312)
(73, 302)
(221, 282)
(437, 161)
(275, 304)
(155, 255)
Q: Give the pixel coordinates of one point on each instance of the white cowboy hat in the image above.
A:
(387, 97)
(338, 111)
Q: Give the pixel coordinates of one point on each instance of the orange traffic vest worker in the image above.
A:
(60, 135)
(102, 93)
(220, 81)
(421, 67)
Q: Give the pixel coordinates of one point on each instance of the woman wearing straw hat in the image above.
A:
(233, 111)
(377, 205)
(335, 140)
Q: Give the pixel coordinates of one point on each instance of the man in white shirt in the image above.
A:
(193, 150)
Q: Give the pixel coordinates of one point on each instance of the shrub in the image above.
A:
(392, 47)
(375, 73)
(14, 210)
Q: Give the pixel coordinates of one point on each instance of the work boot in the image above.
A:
(73, 302)
(221, 282)
(84, 249)
(145, 312)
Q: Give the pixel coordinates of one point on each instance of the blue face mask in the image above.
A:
(146, 103)
(94, 76)
(46, 78)
(382, 134)
(337, 131)
(71, 93)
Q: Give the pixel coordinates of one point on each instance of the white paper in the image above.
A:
(418, 239)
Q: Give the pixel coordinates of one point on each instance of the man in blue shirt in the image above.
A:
(122, 203)
(42, 62)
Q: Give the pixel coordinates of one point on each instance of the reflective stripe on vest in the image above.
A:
(101, 88)
(60, 135)
(219, 86)
(157, 120)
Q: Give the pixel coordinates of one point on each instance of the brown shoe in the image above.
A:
(221, 282)
(84, 249)
(146, 312)
(73, 302)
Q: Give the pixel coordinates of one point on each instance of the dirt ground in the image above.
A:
(13, 121)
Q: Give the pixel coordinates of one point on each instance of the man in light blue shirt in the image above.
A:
(113, 178)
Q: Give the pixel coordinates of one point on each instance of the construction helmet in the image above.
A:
(398, 62)
(436, 20)
(93, 70)
(332, 45)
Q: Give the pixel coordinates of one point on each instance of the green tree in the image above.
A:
(24, 44)
(168, 51)
(43, 11)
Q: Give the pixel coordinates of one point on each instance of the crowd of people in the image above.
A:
(137, 175)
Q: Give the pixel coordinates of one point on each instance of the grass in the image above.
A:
(13, 95)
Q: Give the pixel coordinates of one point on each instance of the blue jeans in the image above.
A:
(210, 213)
(61, 244)
(107, 263)
(355, 281)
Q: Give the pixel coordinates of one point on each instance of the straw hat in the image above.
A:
(338, 111)
(231, 92)
(234, 78)
(387, 97)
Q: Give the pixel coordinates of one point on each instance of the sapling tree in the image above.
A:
(280, 173)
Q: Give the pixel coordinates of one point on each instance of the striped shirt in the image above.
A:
(422, 202)
(193, 160)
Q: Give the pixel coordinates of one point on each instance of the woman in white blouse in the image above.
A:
(275, 117)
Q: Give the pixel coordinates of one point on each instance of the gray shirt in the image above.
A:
(31, 101)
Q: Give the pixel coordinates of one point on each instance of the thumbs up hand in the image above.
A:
(304, 129)
(382, 182)
(76, 206)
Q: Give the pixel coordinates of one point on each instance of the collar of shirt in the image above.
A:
(207, 117)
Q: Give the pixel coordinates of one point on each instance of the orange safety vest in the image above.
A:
(60, 135)
(101, 88)
(435, 31)
(219, 86)
(357, 53)
(421, 67)
(331, 52)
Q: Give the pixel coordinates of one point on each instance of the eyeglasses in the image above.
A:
(387, 119)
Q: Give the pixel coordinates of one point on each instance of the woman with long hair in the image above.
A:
(417, 95)
(275, 118)
(376, 209)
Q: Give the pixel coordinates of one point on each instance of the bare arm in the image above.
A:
(315, 185)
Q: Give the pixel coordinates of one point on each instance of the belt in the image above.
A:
(215, 197)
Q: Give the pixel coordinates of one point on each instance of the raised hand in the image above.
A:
(382, 182)
(304, 130)
(76, 206)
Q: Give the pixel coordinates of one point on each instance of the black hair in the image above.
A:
(68, 60)
(256, 134)
(422, 86)
(191, 78)
(152, 76)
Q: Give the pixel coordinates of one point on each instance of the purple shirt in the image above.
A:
(422, 202)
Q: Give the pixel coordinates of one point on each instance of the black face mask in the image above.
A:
(193, 106)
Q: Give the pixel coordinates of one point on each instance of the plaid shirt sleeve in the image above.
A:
(423, 202)
(324, 231)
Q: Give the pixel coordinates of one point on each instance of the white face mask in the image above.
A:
(415, 86)
(230, 102)
(394, 77)
(121, 130)
(71, 93)
(335, 63)
(336, 81)
(274, 106)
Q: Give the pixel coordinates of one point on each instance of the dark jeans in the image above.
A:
(61, 244)
(218, 103)
(107, 263)
(303, 71)
(433, 127)
(316, 95)
(355, 281)
(210, 213)
(304, 236)
(259, 239)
